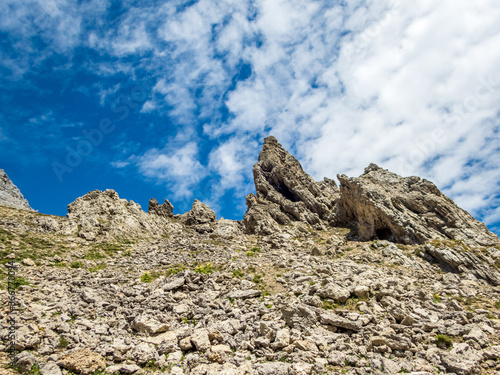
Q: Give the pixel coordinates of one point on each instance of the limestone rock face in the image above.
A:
(285, 192)
(201, 217)
(200, 213)
(103, 213)
(384, 205)
(10, 195)
(165, 210)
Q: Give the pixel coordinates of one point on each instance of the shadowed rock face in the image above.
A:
(165, 210)
(10, 195)
(285, 192)
(384, 205)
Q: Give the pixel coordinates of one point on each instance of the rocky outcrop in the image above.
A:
(384, 205)
(165, 210)
(459, 260)
(104, 214)
(201, 217)
(285, 192)
(10, 195)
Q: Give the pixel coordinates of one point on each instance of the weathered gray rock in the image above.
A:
(82, 361)
(249, 293)
(383, 205)
(273, 368)
(285, 192)
(200, 213)
(50, 368)
(10, 195)
(164, 210)
(200, 339)
(334, 292)
(464, 261)
(227, 229)
(25, 360)
(144, 352)
(463, 360)
(174, 284)
(149, 325)
(103, 214)
(337, 321)
(122, 369)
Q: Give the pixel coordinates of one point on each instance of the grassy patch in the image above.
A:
(76, 265)
(18, 281)
(204, 268)
(175, 269)
(238, 273)
(109, 247)
(444, 339)
(436, 298)
(150, 276)
(34, 242)
(257, 279)
(63, 343)
(99, 267)
(327, 305)
(146, 278)
(251, 254)
(94, 255)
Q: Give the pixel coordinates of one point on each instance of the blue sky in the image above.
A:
(173, 99)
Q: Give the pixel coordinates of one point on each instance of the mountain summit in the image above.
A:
(378, 205)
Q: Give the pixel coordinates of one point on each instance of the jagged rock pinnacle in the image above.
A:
(10, 195)
(285, 192)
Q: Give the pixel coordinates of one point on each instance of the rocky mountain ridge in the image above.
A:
(380, 275)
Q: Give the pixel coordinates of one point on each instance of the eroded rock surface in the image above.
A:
(285, 192)
(165, 210)
(10, 195)
(384, 205)
(104, 214)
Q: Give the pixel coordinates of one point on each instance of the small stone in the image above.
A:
(50, 368)
(200, 339)
(28, 262)
(25, 360)
(249, 293)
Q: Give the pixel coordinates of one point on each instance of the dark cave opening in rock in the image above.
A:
(285, 191)
(384, 234)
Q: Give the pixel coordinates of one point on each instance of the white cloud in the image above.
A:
(179, 168)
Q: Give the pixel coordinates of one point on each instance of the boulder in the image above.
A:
(458, 260)
(200, 213)
(149, 325)
(24, 361)
(82, 361)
